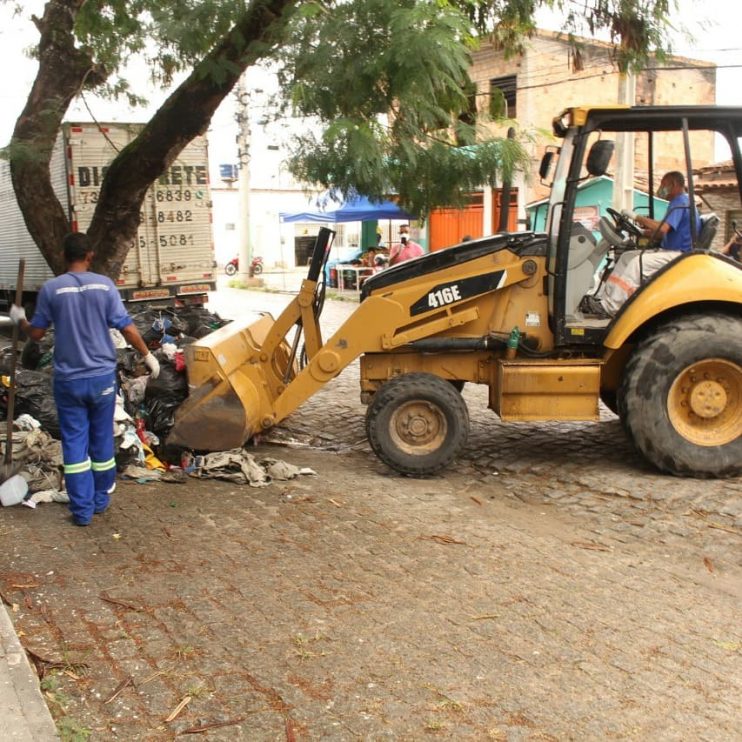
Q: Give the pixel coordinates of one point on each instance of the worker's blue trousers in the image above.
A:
(85, 408)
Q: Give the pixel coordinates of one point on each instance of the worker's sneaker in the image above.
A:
(591, 305)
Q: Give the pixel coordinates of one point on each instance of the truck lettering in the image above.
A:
(184, 175)
(87, 176)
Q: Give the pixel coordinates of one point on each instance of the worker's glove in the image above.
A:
(17, 314)
(152, 364)
(629, 214)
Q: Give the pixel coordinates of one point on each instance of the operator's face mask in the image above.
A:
(663, 191)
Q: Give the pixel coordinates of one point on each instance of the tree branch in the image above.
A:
(184, 115)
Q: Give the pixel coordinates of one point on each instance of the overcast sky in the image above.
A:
(716, 24)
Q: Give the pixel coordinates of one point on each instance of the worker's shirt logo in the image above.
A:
(454, 291)
(84, 287)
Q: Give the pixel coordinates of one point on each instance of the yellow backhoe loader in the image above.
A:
(505, 311)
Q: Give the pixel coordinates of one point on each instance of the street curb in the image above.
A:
(24, 713)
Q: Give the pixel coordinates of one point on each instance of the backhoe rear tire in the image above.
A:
(417, 423)
(681, 396)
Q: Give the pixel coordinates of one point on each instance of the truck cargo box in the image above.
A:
(172, 258)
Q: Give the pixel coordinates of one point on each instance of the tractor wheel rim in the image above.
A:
(418, 427)
(705, 402)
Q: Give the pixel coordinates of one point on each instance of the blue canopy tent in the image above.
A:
(358, 209)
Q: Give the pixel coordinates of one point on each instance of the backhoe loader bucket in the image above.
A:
(229, 387)
(236, 374)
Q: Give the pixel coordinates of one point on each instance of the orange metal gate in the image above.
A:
(448, 227)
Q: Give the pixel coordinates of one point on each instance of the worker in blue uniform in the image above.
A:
(82, 306)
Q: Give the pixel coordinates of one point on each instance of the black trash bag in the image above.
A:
(38, 354)
(200, 318)
(201, 331)
(34, 396)
(172, 323)
(163, 396)
(158, 325)
(127, 360)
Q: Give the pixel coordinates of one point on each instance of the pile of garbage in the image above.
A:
(151, 403)
(144, 414)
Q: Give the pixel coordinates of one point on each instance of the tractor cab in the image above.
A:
(635, 147)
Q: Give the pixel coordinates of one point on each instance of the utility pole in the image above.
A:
(623, 185)
(243, 159)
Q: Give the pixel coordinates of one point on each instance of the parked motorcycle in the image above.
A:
(256, 266)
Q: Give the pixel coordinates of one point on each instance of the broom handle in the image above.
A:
(13, 363)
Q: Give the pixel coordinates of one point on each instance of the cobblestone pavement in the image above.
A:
(548, 586)
(590, 469)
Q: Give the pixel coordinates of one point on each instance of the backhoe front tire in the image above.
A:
(681, 396)
(417, 423)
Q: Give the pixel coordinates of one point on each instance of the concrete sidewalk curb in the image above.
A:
(24, 713)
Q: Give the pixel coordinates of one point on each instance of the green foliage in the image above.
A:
(170, 35)
(389, 86)
(386, 81)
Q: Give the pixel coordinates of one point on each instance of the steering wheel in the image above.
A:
(623, 223)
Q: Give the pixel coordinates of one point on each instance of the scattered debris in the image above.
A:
(176, 711)
(119, 602)
(143, 417)
(590, 545)
(44, 665)
(213, 725)
(119, 689)
(441, 539)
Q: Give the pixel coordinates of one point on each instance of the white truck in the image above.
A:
(172, 259)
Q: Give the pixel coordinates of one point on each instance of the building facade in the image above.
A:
(528, 90)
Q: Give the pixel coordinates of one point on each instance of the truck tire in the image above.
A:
(417, 423)
(681, 396)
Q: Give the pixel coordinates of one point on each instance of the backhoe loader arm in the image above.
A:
(243, 379)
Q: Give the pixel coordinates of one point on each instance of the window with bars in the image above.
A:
(503, 94)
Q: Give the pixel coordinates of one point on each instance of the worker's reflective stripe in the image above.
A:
(103, 465)
(77, 468)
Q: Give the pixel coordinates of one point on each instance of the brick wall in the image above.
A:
(727, 206)
(546, 85)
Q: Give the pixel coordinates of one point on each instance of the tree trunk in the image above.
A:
(63, 72)
(184, 115)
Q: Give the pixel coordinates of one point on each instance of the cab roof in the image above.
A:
(726, 119)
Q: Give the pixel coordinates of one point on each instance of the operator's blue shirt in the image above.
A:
(82, 307)
(678, 218)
